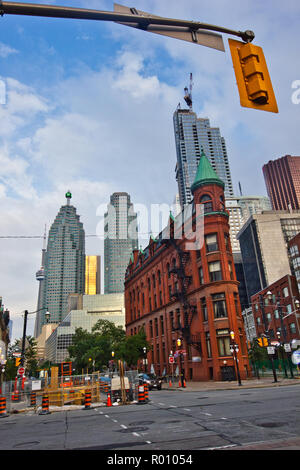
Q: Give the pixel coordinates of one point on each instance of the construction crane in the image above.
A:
(188, 93)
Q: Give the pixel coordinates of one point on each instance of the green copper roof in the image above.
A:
(205, 174)
(68, 195)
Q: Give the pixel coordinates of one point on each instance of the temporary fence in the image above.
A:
(22, 394)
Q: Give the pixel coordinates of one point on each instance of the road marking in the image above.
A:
(173, 406)
(148, 442)
(186, 409)
(106, 416)
(136, 434)
(123, 426)
(161, 404)
(115, 421)
(222, 447)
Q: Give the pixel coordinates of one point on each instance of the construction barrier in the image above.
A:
(45, 406)
(33, 399)
(3, 413)
(141, 395)
(87, 400)
(146, 386)
(15, 396)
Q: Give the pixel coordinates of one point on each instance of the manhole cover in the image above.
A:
(27, 444)
(134, 429)
(271, 425)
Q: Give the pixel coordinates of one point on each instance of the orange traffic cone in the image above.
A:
(108, 400)
(170, 383)
(184, 384)
(179, 383)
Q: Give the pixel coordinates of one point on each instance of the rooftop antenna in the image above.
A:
(188, 93)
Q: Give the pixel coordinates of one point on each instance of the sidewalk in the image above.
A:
(249, 383)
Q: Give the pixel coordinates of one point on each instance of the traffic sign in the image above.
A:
(171, 360)
(296, 357)
(21, 371)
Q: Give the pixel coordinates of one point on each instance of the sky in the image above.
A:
(89, 108)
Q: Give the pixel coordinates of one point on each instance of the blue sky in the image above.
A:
(89, 108)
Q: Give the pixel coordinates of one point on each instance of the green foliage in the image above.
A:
(257, 353)
(94, 350)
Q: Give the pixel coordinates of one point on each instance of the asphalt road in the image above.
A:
(172, 420)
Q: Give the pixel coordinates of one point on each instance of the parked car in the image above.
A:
(151, 380)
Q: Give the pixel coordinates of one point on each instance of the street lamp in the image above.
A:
(181, 361)
(145, 358)
(234, 349)
(26, 313)
(261, 300)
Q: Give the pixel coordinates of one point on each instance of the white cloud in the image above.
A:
(6, 50)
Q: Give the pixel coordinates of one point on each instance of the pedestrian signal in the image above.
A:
(252, 76)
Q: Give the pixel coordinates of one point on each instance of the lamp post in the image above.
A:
(145, 358)
(234, 349)
(261, 300)
(182, 374)
(26, 313)
(283, 333)
(112, 363)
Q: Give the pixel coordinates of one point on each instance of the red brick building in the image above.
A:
(282, 178)
(173, 291)
(278, 310)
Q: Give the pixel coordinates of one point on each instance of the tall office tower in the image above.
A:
(120, 239)
(240, 208)
(282, 178)
(193, 135)
(92, 275)
(64, 263)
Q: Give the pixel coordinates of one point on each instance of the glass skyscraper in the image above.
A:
(120, 239)
(192, 136)
(92, 275)
(64, 263)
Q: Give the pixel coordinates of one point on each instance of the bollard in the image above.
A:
(141, 395)
(45, 406)
(87, 400)
(3, 413)
(33, 399)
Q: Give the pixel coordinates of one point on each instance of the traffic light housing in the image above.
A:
(252, 76)
(263, 341)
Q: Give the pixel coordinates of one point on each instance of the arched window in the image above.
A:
(206, 200)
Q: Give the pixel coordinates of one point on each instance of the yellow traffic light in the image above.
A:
(18, 360)
(265, 342)
(260, 342)
(252, 76)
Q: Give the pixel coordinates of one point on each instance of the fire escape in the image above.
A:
(180, 294)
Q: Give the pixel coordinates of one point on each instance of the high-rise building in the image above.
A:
(120, 239)
(40, 277)
(240, 208)
(192, 136)
(92, 275)
(64, 266)
(282, 178)
(264, 240)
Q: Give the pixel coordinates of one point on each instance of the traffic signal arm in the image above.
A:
(252, 76)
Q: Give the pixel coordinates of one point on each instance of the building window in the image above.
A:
(285, 292)
(156, 326)
(292, 328)
(223, 340)
(178, 318)
(211, 242)
(206, 200)
(172, 321)
(227, 242)
(230, 269)
(201, 278)
(151, 328)
(219, 305)
(208, 345)
(162, 324)
(204, 308)
(215, 273)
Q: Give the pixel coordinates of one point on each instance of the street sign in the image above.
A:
(21, 371)
(296, 357)
(287, 347)
(271, 350)
(171, 360)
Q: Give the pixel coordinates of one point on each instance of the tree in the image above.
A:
(132, 349)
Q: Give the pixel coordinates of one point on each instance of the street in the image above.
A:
(172, 420)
